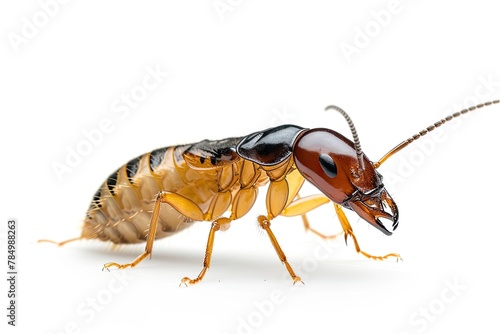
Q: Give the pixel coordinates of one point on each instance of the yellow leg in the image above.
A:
(181, 204)
(265, 224)
(303, 205)
(348, 232)
(189, 209)
(216, 226)
(308, 227)
(61, 243)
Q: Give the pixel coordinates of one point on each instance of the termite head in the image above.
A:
(335, 165)
(331, 162)
(338, 167)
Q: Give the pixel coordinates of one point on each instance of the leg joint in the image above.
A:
(264, 222)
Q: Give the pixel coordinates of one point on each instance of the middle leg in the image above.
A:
(217, 225)
(265, 224)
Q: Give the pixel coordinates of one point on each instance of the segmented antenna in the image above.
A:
(357, 144)
(429, 129)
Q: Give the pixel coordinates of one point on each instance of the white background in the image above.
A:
(230, 73)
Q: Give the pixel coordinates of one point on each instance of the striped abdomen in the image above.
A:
(120, 210)
(207, 173)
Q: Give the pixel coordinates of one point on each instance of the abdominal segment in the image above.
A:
(120, 211)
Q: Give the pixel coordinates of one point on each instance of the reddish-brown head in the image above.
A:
(337, 167)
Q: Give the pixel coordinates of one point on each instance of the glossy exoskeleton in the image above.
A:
(164, 191)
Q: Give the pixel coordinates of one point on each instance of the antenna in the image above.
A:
(357, 144)
(429, 129)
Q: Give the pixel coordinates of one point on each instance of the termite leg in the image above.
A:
(216, 226)
(61, 243)
(348, 232)
(308, 227)
(178, 202)
(265, 224)
(149, 243)
(301, 206)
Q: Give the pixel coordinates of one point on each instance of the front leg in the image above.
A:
(265, 224)
(348, 232)
(279, 196)
(301, 206)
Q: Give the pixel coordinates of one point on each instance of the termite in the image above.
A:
(218, 181)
